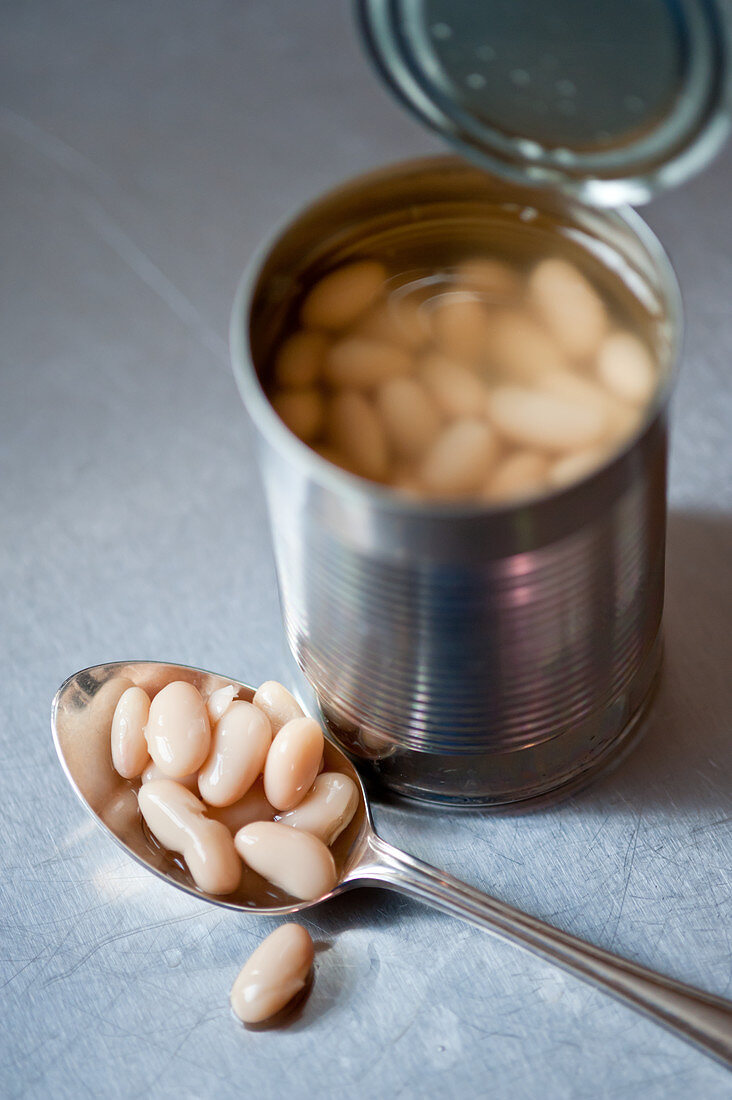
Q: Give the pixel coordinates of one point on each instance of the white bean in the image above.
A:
(531, 418)
(177, 819)
(399, 320)
(493, 278)
(293, 762)
(303, 411)
(129, 747)
(343, 295)
(569, 306)
(621, 418)
(626, 367)
(573, 467)
(239, 745)
(624, 420)
(459, 322)
(296, 862)
(299, 359)
(253, 806)
(217, 703)
(327, 809)
(521, 474)
(410, 416)
(362, 364)
(178, 731)
(278, 704)
(458, 462)
(405, 480)
(455, 388)
(519, 348)
(152, 772)
(273, 974)
(357, 432)
(579, 389)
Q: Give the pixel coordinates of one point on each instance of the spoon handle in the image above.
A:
(698, 1017)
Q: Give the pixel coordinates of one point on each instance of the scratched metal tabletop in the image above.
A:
(146, 150)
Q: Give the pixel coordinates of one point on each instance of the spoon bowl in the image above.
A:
(81, 721)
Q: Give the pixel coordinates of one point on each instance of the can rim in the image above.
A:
(355, 488)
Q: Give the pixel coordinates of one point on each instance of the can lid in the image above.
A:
(611, 100)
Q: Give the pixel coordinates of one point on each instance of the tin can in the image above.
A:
(466, 654)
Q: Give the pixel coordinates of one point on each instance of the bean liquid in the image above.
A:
(487, 359)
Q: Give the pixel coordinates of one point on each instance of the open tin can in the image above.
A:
(468, 653)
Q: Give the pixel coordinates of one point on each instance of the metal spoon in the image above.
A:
(81, 720)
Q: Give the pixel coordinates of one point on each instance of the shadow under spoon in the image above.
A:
(81, 721)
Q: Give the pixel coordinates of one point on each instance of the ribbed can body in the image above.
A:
(471, 655)
(476, 658)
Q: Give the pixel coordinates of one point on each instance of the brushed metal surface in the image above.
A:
(147, 147)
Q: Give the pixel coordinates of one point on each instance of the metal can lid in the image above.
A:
(611, 100)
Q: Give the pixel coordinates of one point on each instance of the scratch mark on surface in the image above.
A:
(393, 1042)
(54, 149)
(628, 871)
(78, 166)
(483, 840)
(709, 825)
(113, 939)
(156, 280)
(594, 839)
(18, 973)
(198, 1022)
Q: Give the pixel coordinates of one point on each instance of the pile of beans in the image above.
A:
(479, 382)
(227, 783)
